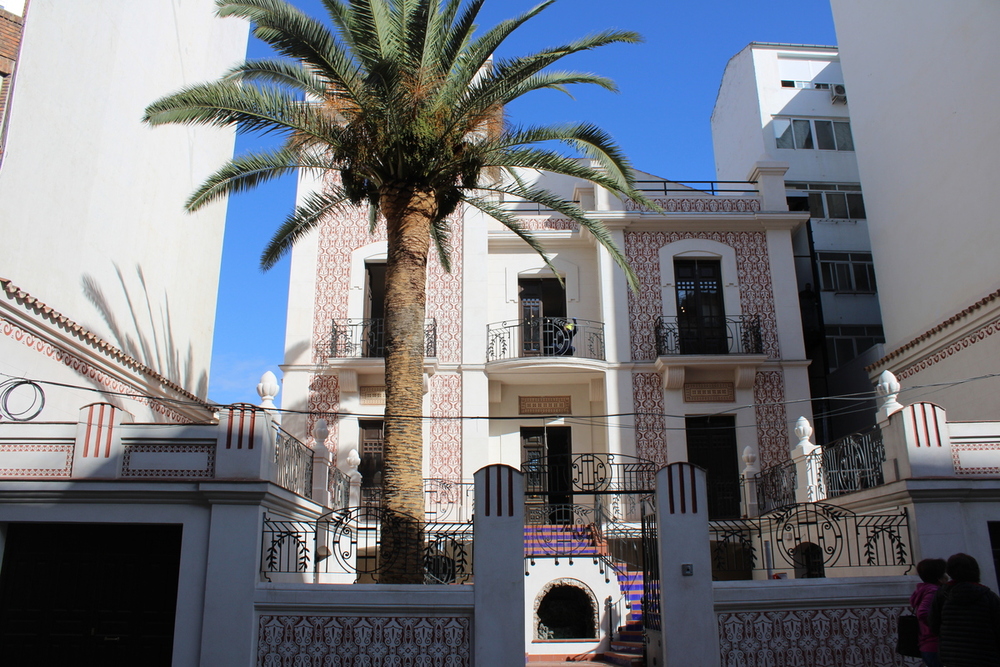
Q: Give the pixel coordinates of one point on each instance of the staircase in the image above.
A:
(555, 541)
(627, 649)
(579, 541)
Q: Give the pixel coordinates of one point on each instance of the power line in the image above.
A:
(582, 419)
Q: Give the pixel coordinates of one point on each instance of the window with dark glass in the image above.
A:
(711, 444)
(830, 135)
(846, 272)
(371, 451)
(847, 342)
(701, 313)
(832, 201)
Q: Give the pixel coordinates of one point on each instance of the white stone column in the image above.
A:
(499, 567)
(808, 465)
(321, 465)
(687, 606)
(614, 315)
(245, 445)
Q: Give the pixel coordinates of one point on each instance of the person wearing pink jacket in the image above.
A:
(932, 575)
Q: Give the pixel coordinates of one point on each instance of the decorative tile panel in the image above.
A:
(444, 297)
(324, 403)
(965, 456)
(39, 460)
(445, 446)
(369, 641)
(753, 274)
(772, 420)
(650, 424)
(855, 637)
(700, 204)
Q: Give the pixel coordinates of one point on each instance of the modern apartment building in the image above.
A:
(789, 103)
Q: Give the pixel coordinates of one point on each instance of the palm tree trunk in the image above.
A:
(408, 214)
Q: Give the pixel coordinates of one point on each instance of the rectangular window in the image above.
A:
(371, 451)
(836, 201)
(831, 135)
(844, 343)
(846, 272)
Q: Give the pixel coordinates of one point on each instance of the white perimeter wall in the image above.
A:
(921, 76)
(87, 189)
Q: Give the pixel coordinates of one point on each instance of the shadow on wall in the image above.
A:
(158, 350)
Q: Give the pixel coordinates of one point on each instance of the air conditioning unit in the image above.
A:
(838, 93)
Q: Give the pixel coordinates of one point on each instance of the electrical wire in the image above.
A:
(575, 419)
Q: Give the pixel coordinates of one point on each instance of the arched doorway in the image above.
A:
(566, 609)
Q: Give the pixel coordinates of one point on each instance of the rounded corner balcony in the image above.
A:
(564, 342)
(364, 338)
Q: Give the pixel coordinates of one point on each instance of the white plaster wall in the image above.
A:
(87, 188)
(62, 403)
(751, 95)
(920, 75)
(576, 262)
(736, 125)
(582, 569)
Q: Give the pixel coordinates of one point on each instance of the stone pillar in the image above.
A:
(499, 567)
(245, 445)
(770, 179)
(750, 469)
(228, 636)
(808, 465)
(98, 450)
(917, 443)
(687, 604)
(321, 465)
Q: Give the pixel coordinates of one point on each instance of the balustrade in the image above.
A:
(693, 334)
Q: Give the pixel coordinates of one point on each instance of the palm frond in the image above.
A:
(596, 228)
(246, 172)
(299, 223)
(509, 221)
(299, 37)
(281, 72)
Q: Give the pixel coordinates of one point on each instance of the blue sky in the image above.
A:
(661, 119)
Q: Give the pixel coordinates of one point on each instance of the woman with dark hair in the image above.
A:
(931, 571)
(966, 617)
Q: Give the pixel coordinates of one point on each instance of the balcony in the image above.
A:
(708, 335)
(360, 338)
(545, 337)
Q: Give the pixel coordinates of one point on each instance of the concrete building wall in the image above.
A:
(918, 77)
(93, 200)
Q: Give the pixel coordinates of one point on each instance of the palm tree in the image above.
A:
(402, 102)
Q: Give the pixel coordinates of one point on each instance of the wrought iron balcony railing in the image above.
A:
(853, 463)
(293, 462)
(776, 486)
(365, 337)
(545, 337)
(692, 334)
(445, 500)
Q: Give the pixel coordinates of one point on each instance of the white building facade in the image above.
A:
(93, 220)
(789, 103)
(927, 148)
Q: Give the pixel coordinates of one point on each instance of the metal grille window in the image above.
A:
(847, 342)
(837, 201)
(372, 444)
(847, 272)
(830, 135)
